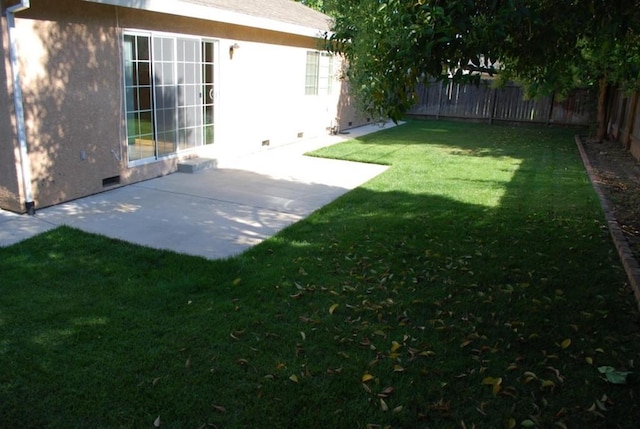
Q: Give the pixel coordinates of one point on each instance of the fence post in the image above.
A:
(439, 100)
(492, 105)
(628, 129)
(551, 102)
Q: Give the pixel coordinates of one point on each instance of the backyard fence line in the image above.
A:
(446, 99)
(623, 123)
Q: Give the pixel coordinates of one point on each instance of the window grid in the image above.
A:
(319, 73)
(138, 95)
(311, 77)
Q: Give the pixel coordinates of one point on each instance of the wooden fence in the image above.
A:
(484, 103)
(623, 122)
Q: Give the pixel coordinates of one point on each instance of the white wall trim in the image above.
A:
(192, 10)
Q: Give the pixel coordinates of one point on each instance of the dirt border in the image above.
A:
(631, 266)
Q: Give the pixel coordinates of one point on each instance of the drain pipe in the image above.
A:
(19, 105)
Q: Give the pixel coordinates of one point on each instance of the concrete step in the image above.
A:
(193, 165)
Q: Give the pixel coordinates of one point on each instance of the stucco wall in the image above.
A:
(71, 53)
(70, 80)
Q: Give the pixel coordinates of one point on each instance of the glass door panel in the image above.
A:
(138, 97)
(165, 94)
(208, 89)
(189, 103)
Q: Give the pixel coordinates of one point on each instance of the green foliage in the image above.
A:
(574, 44)
(391, 46)
(547, 45)
(473, 284)
(324, 6)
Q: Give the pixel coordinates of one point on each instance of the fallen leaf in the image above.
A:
(386, 392)
(589, 360)
(601, 406)
(566, 343)
(294, 378)
(237, 281)
(235, 334)
(528, 423)
(303, 335)
(383, 405)
(496, 383)
(613, 375)
(333, 308)
(157, 423)
(367, 377)
(219, 408)
(592, 410)
(398, 409)
(512, 423)
(547, 383)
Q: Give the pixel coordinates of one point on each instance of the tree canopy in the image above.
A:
(547, 45)
(324, 6)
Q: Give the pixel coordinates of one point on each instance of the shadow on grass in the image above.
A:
(426, 294)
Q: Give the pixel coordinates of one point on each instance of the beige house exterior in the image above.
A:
(103, 93)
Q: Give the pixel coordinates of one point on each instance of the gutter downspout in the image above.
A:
(19, 105)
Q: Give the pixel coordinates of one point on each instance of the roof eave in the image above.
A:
(191, 10)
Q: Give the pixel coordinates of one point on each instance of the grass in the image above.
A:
(472, 284)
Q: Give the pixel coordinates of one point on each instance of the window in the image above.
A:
(169, 94)
(319, 73)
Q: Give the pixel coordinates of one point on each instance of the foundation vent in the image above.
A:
(110, 181)
(265, 142)
(300, 134)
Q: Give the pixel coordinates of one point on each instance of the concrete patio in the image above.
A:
(213, 213)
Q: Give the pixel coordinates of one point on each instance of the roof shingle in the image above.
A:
(287, 11)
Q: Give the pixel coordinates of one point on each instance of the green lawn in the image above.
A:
(473, 284)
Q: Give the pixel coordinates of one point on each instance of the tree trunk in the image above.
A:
(602, 109)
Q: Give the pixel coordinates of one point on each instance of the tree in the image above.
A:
(392, 45)
(583, 43)
(324, 6)
(548, 45)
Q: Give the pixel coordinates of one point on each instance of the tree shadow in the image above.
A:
(436, 271)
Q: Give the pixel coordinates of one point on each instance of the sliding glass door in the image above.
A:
(169, 94)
